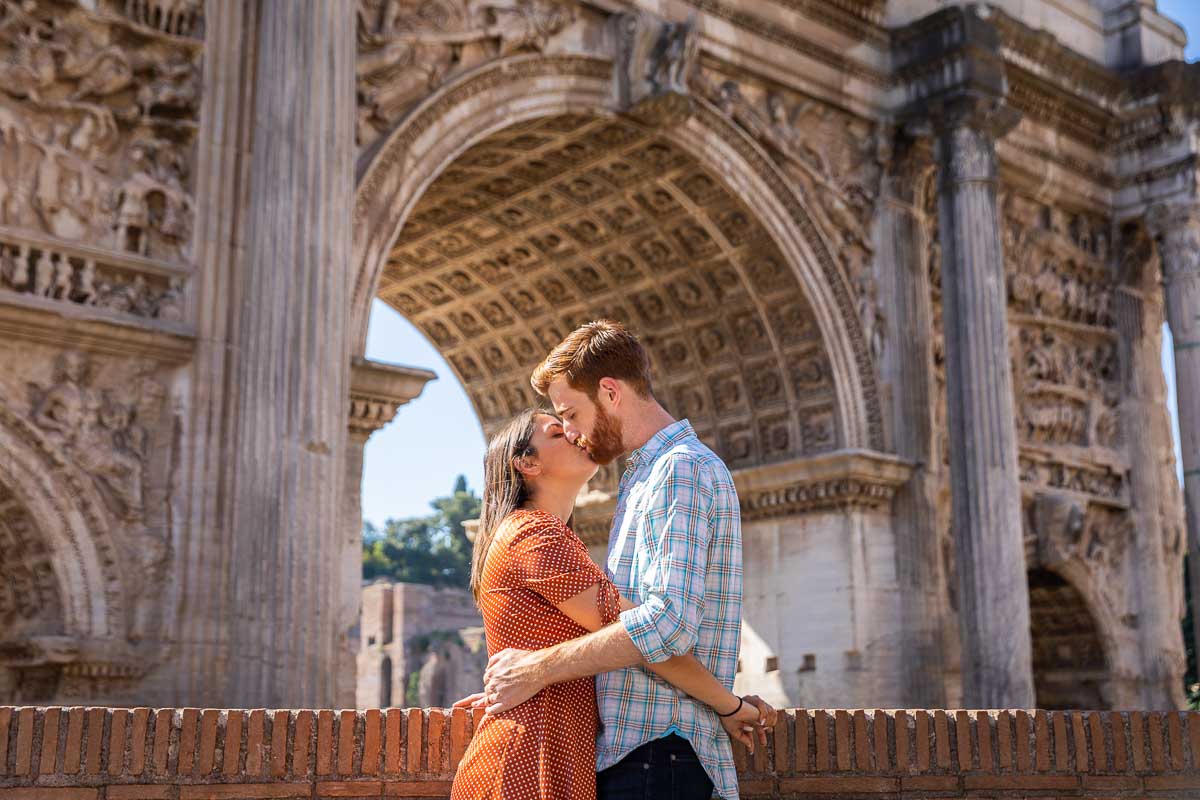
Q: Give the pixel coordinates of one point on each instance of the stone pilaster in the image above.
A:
(902, 240)
(376, 393)
(1177, 228)
(291, 375)
(954, 77)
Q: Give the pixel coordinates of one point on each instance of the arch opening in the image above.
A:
(1070, 667)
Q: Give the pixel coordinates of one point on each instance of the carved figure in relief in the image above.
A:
(63, 408)
(63, 274)
(43, 276)
(85, 292)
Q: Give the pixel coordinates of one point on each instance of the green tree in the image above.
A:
(432, 549)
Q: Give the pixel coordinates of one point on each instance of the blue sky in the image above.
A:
(437, 437)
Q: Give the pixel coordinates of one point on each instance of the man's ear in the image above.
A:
(610, 390)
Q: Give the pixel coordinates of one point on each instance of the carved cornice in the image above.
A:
(377, 390)
(845, 479)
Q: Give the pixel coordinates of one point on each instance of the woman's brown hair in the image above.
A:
(504, 486)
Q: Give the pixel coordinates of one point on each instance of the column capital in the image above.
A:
(377, 391)
(953, 74)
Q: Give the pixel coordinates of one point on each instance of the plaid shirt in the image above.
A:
(676, 548)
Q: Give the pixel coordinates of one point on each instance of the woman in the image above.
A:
(537, 587)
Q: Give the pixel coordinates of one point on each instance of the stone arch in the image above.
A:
(58, 512)
(1071, 654)
(507, 96)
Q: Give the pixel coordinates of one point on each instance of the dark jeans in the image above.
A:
(663, 769)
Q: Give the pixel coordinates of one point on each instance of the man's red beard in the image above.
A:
(606, 442)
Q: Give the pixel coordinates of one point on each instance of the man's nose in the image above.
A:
(571, 433)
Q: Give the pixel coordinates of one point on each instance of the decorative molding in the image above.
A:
(377, 390)
(838, 481)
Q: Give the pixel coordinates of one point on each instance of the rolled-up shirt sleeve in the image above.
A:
(674, 560)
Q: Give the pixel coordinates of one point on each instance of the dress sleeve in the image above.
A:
(546, 557)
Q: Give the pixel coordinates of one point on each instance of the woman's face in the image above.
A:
(559, 459)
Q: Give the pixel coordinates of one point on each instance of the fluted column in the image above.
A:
(291, 378)
(985, 486)
(1177, 228)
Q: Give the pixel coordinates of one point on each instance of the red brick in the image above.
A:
(372, 738)
(1193, 725)
(349, 788)
(1099, 748)
(941, 732)
(1021, 782)
(5, 720)
(477, 715)
(1041, 741)
(302, 744)
(458, 735)
(1175, 739)
(882, 760)
(1112, 783)
(232, 742)
(841, 784)
(821, 738)
(779, 744)
(392, 740)
(801, 740)
(922, 737)
(1079, 737)
(280, 723)
(164, 723)
(49, 754)
(1004, 747)
(73, 753)
(345, 749)
(24, 761)
(1154, 724)
(1164, 783)
(139, 792)
(962, 727)
(210, 719)
(1120, 746)
(187, 741)
(902, 760)
(1137, 740)
(1021, 742)
(1062, 752)
(764, 788)
(862, 743)
(254, 741)
(437, 723)
(324, 742)
(137, 741)
(417, 789)
(116, 741)
(48, 793)
(929, 783)
(244, 791)
(95, 739)
(415, 718)
(841, 734)
(983, 732)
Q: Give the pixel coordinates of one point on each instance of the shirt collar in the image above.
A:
(666, 438)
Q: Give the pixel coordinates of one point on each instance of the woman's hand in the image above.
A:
(750, 722)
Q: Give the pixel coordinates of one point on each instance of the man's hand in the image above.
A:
(512, 677)
(751, 721)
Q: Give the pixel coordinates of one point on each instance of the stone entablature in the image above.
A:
(191, 753)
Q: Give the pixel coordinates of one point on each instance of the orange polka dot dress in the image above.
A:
(544, 748)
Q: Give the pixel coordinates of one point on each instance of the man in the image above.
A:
(676, 549)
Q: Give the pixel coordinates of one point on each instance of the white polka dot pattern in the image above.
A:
(545, 747)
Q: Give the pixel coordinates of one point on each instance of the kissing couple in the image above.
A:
(658, 629)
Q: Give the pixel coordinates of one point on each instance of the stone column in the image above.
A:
(291, 376)
(1177, 228)
(376, 393)
(953, 72)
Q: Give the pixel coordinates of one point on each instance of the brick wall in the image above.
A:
(99, 753)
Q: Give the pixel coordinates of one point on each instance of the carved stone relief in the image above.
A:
(98, 113)
(406, 49)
